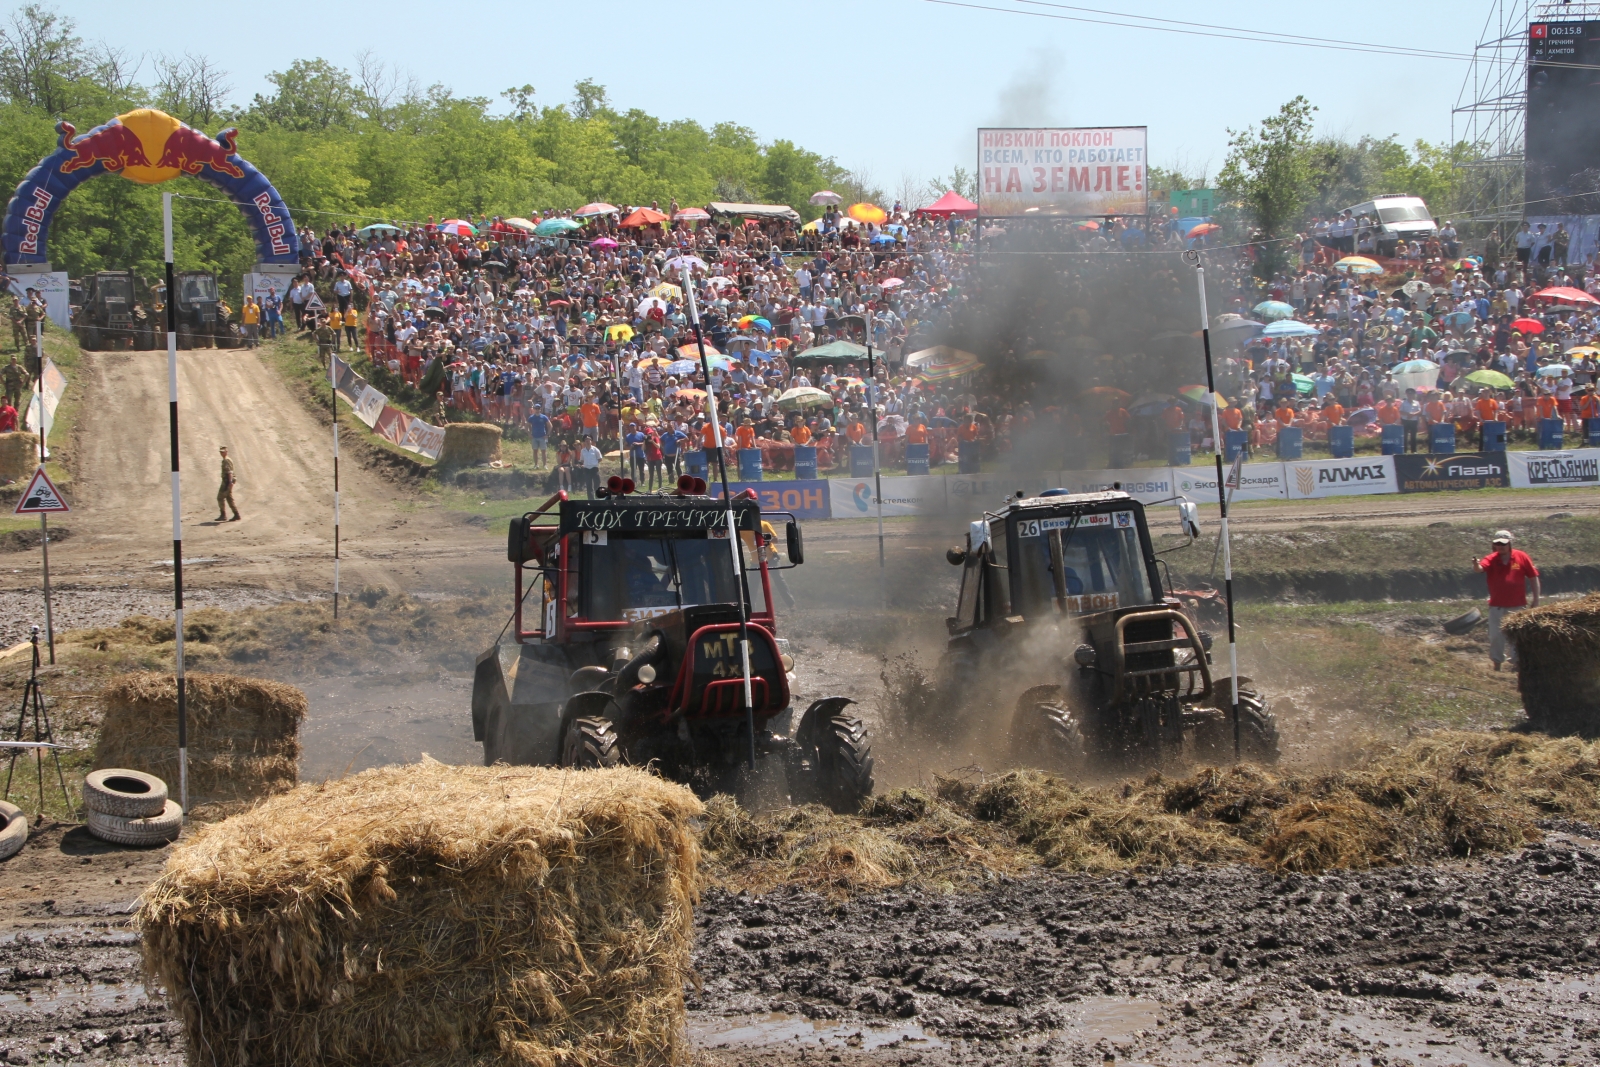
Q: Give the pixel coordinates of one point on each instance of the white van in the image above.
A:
(1396, 218)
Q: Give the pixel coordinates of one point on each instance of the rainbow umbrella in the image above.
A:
(1359, 265)
(458, 227)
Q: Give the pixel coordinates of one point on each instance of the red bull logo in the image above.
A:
(114, 145)
(189, 150)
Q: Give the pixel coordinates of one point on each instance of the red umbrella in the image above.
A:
(1564, 294)
(1203, 229)
(1527, 325)
(643, 216)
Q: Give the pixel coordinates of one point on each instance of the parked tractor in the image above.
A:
(111, 316)
(1063, 593)
(200, 319)
(634, 654)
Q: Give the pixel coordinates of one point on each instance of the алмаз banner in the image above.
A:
(1081, 171)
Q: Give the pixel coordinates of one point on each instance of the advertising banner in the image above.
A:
(369, 405)
(55, 385)
(853, 498)
(969, 495)
(1145, 484)
(804, 499)
(1080, 171)
(1418, 473)
(1259, 481)
(1541, 470)
(52, 286)
(1340, 477)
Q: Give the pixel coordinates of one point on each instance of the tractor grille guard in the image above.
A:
(1141, 669)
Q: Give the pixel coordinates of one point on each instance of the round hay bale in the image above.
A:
(19, 455)
(469, 444)
(1558, 657)
(244, 733)
(435, 914)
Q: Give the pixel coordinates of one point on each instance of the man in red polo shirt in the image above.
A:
(1510, 572)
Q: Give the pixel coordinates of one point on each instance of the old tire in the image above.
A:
(1258, 732)
(13, 830)
(138, 832)
(589, 743)
(831, 762)
(125, 794)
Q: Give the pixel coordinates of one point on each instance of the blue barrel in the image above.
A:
(1178, 448)
(1291, 442)
(916, 459)
(1591, 432)
(860, 461)
(971, 456)
(749, 464)
(1234, 442)
(1549, 435)
(1442, 438)
(805, 462)
(696, 461)
(1394, 440)
(1121, 450)
(1341, 441)
(1492, 437)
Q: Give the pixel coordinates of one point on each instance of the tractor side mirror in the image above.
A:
(1189, 518)
(517, 539)
(796, 545)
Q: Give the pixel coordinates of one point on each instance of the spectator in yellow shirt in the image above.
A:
(335, 321)
(250, 319)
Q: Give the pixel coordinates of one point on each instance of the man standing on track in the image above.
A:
(225, 494)
(1510, 572)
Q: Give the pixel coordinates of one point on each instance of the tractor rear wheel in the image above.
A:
(1045, 730)
(1258, 732)
(831, 762)
(589, 743)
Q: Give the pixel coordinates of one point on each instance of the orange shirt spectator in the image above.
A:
(1488, 408)
(1587, 405)
(917, 434)
(1434, 409)
(590, 413)
(745, 436)
(1117, 420)
(1333, 414)
(1389, 413)
(708, 435)
(969, 430)
(1232, 418)
(801, 434)
(856, 432)
(1172, 417)
(1547, 406)
(1285, 415)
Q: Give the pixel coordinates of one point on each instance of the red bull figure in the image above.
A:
(189, 150)
(114, 145)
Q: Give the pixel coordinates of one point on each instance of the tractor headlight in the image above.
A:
(787, 661)
(1084, 655)
(647, 674)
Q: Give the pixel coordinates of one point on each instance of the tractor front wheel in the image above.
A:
(1258, 732)
(1044, 730)
(589, 743)
(831, 762)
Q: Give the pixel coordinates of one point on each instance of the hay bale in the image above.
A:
(19, 455)
(469, 444)
(244, 733)
(429, 914)
(1558, 649)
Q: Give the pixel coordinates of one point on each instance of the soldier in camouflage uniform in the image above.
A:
(326, 339)
(225, 494)
(15, 380)
(19, 333)
(33, 316)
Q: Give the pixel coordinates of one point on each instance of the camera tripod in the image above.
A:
(43, 736)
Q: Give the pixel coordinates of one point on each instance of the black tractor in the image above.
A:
(201, 318)
(1062, 598)
(634, 654)
(111, 315)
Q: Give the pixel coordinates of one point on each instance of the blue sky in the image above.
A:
(895, 88)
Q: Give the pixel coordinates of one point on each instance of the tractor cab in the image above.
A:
(637, 638)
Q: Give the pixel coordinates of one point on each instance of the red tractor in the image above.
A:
(634, 653)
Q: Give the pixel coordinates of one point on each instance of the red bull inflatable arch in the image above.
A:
(148, 147)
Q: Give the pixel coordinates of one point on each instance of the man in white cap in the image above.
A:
(1510, 572)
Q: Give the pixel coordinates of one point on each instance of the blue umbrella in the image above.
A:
(377, 227)
(883, 239)
(1290, 328)
(1274, 309)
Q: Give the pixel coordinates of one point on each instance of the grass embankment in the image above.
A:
(1452, 794)
(62, 348)
(379, 633)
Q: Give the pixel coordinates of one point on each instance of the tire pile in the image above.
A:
(130, 808)
(13, 830)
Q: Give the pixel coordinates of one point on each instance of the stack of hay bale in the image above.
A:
(1558, 656)
(244, 733)
(19, 455)
(429, 914)
(469, 444)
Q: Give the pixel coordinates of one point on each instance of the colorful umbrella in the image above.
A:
(693, 394)
(1290, 328)
(517, 222)
(1274, 309)
(891, 283)
(1086, 224)
(1492, 378)
(1564, 294)
(804, 396)
(1359, 265)
(589, 211)
(655, 361)
(1584, 350)
(458, 227)
(676, 264)
(643, 216)
(620, 331)
(825, 197)
(377, 227)
(692, 351)
(556, 227)
(867, 213)
(1527, 325)
(1203, 229)
(666, 291)
(781, 342)
(1303, 384)
(603, 242)
(692, 214)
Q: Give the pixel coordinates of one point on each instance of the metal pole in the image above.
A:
(1222, 499)
(733, 533)
(872, 417)
(177, 505)
(44, 524)
(44, 542)
(333, 402)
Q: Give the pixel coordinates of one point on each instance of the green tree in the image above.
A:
(1269, 176)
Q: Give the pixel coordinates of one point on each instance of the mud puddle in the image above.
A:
(363, 722)
(779, 1029)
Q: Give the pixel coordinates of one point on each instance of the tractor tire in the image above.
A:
(88, 338)
(831, 762)
(185, 338)
(125, 794)
(13, 830)
(138, 832)
(1258, 732)
(589, 743)
(1045, 731)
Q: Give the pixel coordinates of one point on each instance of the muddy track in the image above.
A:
(1460, 963)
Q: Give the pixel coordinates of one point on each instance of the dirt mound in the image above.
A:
(1448, 794)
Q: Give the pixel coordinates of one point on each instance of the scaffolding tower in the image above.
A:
(1491, 115)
